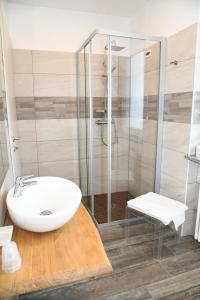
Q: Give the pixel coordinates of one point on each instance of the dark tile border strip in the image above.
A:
(177, 107)
(33, 108)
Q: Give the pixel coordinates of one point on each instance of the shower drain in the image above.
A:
(46, 212)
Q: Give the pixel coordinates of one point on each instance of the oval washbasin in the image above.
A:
(46, 206)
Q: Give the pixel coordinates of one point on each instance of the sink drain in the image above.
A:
(46, 213)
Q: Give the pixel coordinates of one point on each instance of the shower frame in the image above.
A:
(160, 109)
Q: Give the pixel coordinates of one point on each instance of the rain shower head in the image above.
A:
(114, 47)
(117, 48)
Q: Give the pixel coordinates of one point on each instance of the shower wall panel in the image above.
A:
(46, 103)
(175, 182)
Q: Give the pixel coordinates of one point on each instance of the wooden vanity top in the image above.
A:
(71, 253)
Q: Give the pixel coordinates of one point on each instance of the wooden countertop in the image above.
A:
(71, 253)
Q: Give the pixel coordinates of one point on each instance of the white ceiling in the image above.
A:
(123, 8)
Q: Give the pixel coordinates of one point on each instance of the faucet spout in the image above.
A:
(21, 182)
(33, 182)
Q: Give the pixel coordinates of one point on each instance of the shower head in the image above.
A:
(117, 48)
(114, 47)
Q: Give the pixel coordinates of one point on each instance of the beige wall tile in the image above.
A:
(100, 167)
(151, 83)
(99, 86)
(53, 62)
(101, 185)
(100, 150)
(29, 169)
(23, 84)
(182, 45)
(135, 151)
(121, 181)
(174, 164)
(152, 62)
(122, 127)
(99, 64)
(141, 179)
(122, 164)
(148, 154)
(28, 152)
(65, 169)
(149, 131)
(26, 130)
(22, 61)
(124, 63)
(123, 86)
(83, 167)
(3, 137)
(82, 79)
(56, 129)
(176, 136)
(136, 134)
(180, 78)
(62, 150)
(83, 148)
(54, 85)
(122, 146)
(172, 187)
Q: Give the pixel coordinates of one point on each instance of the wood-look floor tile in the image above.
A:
(175, 284)
(185, 244)
(106, 285)
(132, 255)
(183, 262)
(189, 294)
(132, 294)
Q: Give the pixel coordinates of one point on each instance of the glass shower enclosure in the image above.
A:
(120, 83)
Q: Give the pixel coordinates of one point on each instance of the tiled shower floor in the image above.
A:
(118, 206)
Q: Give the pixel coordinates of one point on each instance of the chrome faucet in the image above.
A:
(20, 182)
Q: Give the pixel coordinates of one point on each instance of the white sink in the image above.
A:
(56, 198)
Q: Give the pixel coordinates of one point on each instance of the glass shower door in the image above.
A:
(83, 115)
(135, 91)
(99, 124)
(119, 112)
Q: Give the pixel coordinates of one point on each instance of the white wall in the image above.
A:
(34, 27)
(8, 181)
(56, 29)
(166, 17)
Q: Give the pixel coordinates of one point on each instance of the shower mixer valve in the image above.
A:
(104, 121)
(99, 110)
